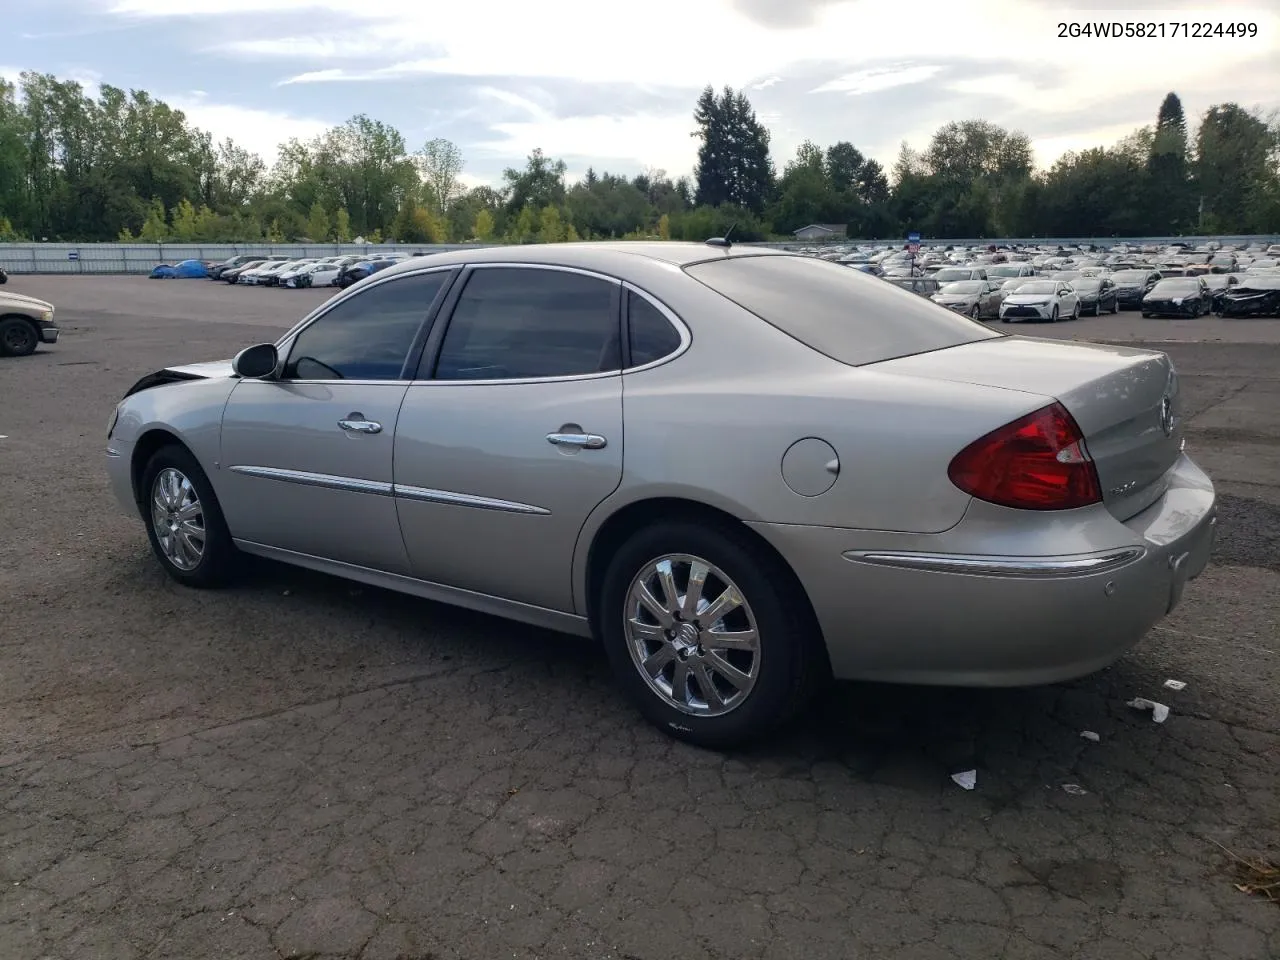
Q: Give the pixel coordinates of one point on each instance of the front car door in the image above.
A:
(1067, 300)
(306, 457)
(513, 433)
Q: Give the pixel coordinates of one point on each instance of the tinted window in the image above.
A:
(847, 315)
(517, 323)
(652, 335)
(365, 337)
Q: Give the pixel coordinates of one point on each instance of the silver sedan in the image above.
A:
(744, 471)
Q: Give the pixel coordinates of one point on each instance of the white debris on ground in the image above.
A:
(1159, 712)
(1074, 789)
(968, 779)
(1175, 684)
(1090, 735)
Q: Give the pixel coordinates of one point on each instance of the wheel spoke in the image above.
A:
(642, 595)
(159, 504)
(680, 683)
(693, 593)
(730, 640)
(707, 685)
(189, 511)
(646, 631)
(728, 601)
(667, 578)
(727, 670)
(657, 661)
(192, 529)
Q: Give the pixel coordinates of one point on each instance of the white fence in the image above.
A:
(141, 258)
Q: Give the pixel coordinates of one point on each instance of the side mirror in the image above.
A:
(256, 362)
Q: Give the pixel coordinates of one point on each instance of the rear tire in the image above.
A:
(184, 521)
(18, 337)
(774, 673)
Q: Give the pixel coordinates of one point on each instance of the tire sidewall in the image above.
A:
(213, 567)
(767, 591)
(32, 333)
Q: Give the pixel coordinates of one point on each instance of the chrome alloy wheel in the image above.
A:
(692, 636)
(178, 518)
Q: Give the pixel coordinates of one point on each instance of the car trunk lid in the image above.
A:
(1126, 401)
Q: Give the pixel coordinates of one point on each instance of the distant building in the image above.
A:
(823, 231)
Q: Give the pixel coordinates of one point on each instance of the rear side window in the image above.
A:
(846, 314)
(652, 336)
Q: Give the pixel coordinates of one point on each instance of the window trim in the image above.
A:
(435, 340)
(284, 346)
(686, 335)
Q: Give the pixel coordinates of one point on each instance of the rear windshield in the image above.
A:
(848, 315)
(1004, 271)
(1131, 276)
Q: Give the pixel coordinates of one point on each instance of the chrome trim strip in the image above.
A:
(999, 566)
(112, 452)
(325, 480)
(470, 599)
(427, 495)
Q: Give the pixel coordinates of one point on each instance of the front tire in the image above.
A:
(184, 522)
(708, 633)
(1053, 315)
(18, 337)
(1115, 306)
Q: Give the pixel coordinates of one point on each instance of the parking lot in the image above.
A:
(301, 767)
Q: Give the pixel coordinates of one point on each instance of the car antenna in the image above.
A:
(723, 241)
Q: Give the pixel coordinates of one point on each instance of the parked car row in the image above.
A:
(1176, 281)
(277, 271)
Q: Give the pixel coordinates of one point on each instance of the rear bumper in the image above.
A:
(979, 618)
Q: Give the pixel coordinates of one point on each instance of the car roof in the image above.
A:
(606, 256)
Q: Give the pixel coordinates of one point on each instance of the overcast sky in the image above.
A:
(611, 85)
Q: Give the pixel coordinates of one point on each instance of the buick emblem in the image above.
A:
(1166, 416)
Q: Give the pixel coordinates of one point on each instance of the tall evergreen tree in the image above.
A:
(1169, 202)
(733, 160)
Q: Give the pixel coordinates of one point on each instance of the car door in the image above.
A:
(305, 463)
(513, 433)
(1068, 301)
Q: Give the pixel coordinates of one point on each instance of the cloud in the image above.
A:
(261, 131)
(875, 80)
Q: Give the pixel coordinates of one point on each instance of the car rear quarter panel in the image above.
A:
(713, 424)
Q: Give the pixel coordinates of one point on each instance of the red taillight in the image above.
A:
(1038, 462)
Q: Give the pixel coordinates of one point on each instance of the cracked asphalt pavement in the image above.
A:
(301, 767)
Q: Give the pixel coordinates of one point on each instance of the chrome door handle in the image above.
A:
(587, 441)
(356, 423)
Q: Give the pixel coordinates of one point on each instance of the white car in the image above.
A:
(255, 275)
(293, 269)
(1050, 300)
(272, 277)
(314, 275)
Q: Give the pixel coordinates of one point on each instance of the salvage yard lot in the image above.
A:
(299, 766)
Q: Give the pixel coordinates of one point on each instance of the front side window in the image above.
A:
(516, 323)
(367, 336)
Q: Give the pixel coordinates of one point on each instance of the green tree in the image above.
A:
(664, 226)
(524, 229)
(439, 163)
(274, 233)
(550, 226)
(539, 184)
(733, 155)
(483, 228)
(154, 229)
(318, 222)
(1236, 169)
(183, 221)
(342, 226)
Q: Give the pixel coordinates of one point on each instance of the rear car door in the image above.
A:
(513, 433)
(305, 464)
